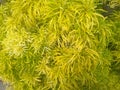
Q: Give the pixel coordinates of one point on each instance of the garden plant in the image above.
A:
(60, 44)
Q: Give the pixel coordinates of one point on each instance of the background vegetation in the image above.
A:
(60, 44)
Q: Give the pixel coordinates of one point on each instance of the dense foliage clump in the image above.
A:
(60, 44)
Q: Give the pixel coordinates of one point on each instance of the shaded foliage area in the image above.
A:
(60, 45)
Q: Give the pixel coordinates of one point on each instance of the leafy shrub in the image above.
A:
(57, 45)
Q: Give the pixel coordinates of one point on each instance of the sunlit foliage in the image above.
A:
(59, 45)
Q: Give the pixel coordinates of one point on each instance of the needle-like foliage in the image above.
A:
(55, 45)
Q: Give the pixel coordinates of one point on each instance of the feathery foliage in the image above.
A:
(58, 45)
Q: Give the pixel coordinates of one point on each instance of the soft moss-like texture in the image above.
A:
(59, 45)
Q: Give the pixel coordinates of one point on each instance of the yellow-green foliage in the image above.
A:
(54, 45)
